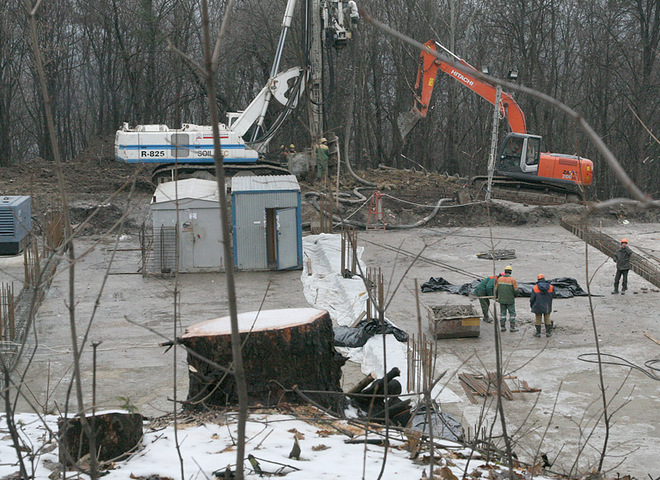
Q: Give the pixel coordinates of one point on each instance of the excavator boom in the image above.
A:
(426, 73)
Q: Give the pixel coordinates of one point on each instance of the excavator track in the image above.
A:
(537, 193)
(168, 172)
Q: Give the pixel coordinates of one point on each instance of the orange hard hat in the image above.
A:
(624, 240)
(540, 276)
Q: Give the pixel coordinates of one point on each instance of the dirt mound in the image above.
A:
(90, 218)
(93, 178)
(409, 196)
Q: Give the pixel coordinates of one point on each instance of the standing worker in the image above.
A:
(322, 159)
(506, 291)
(622, 259)
(485, 291)
(540, 302)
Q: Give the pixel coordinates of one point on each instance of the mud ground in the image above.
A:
(135, 314)
(561, 419)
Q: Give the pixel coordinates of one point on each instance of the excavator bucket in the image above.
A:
(406, 121)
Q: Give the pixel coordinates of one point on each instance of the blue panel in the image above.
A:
(186, 160)
(230, 146)
(233, 230)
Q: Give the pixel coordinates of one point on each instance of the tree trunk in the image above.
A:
(281, 349)
(116, 434)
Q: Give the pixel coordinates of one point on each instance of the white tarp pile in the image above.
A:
(345, 299)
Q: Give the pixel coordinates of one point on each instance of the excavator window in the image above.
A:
(533, 149)
(511, 153)
(514, 147)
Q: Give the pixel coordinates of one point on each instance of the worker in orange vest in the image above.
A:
(540, 301)
(506, 291)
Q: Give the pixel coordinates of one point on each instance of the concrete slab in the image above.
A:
(132, 368)
(564, 419)
(12, 270)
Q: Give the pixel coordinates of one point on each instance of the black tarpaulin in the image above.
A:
(357, 336)
(564, 287)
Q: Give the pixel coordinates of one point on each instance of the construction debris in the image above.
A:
(485, 386)
(497, 255)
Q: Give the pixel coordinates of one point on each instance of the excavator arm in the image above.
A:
(426, 73)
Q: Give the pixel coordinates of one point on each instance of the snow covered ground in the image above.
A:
(210, 447)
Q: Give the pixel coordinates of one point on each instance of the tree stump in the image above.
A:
(281, 349)
(116, 434)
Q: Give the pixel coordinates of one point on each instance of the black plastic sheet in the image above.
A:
(444, 425)
(357, 336)
(564, 287)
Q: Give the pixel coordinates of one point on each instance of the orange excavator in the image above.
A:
(520, 161)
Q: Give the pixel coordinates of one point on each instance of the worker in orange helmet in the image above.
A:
(540, 301)
(622, 259)
(506, 291)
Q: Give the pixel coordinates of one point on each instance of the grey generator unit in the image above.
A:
(15, 224)
(267, 222)
(186, 228)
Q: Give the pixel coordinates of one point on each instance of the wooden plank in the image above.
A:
(506, 392)
(476, 384)
(468, 391)
(651, 338)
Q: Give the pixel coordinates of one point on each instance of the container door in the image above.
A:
(207, 239)
(287, 241)
(186, 239)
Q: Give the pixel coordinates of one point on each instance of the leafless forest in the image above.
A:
(108, 62)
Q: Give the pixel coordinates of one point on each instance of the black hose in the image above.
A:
(312, 196)
(624, 363)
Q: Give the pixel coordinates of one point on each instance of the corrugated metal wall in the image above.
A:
(199, 231)
(249, 212)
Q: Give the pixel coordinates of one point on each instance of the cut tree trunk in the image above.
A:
(281, 349)
(116, 434)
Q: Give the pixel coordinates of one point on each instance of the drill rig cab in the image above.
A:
(189, 150)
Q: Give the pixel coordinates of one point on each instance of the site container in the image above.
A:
(454, 321)
(15, 224)
(267, 222)
(187, 229)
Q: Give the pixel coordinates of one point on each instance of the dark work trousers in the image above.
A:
(624, 283)
(485, 305)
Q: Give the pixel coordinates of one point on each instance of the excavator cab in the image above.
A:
(519, 153)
